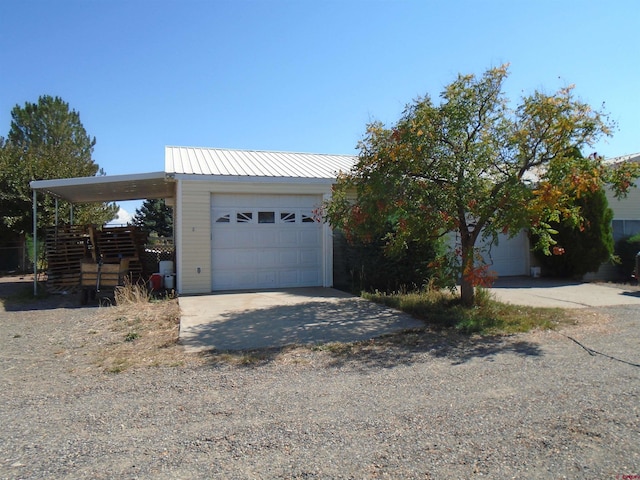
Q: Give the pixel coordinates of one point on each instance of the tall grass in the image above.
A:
(145, 330)
(132, 293)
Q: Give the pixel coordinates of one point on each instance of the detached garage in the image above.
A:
(249, 219)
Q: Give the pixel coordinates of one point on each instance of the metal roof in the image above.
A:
(225, 163)
(254, 163)
(633, 157)
(109, 188)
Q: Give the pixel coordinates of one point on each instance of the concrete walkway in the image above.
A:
(242, 321)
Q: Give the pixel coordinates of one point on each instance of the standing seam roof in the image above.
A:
(254, 163)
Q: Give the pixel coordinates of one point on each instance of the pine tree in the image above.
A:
(46, 141)
(154, 216)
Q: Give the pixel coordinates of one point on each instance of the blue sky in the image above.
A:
(300, 75)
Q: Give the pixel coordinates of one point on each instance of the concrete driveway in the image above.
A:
(541, 292)
(247, 320)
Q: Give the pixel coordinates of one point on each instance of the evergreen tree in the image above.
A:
(46, 141)
(582, 248)
(154, 216)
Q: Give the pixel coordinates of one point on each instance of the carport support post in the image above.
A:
(35, 244)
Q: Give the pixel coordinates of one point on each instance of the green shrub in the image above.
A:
(626, 250)
(371, 267)
(585, 247)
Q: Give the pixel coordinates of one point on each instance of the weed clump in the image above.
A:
(132, 293)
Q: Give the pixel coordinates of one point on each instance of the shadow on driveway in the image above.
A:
(275, 321)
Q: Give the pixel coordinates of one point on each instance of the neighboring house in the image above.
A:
(626, 211)
(626, 221)
(249, 219)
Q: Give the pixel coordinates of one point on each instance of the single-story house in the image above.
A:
(249, 219)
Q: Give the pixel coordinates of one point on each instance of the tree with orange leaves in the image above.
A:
(473, 166)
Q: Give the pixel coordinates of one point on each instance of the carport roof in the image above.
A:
(109, 188)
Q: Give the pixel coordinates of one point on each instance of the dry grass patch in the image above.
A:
(139, 331)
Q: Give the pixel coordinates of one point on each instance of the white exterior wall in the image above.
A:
(194, 237)
(626, 208)
(193, 226)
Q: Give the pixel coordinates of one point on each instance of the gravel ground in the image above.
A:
(536, 405)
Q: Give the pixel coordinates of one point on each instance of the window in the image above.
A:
(266, 217)
(226, 218)
(307, 218)
(625, 228)
(244, 217)
(288, 217)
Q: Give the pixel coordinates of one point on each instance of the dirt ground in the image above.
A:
(547, 404)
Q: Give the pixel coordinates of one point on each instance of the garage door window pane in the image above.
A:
(307, 218)
(226, 218)
(288, 217)
(266, 217)
(244, 217)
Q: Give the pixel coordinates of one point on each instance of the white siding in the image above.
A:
(626, 208)
(196, 238)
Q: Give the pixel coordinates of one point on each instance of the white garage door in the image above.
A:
(265, 241)
(510, 257)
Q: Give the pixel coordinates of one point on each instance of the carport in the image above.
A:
(100, 189)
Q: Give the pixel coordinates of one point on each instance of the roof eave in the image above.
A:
(254, 179)
(108, 188)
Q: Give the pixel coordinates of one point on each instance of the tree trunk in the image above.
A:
(467, 290)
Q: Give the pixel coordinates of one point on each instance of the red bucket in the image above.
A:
(156, 281)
